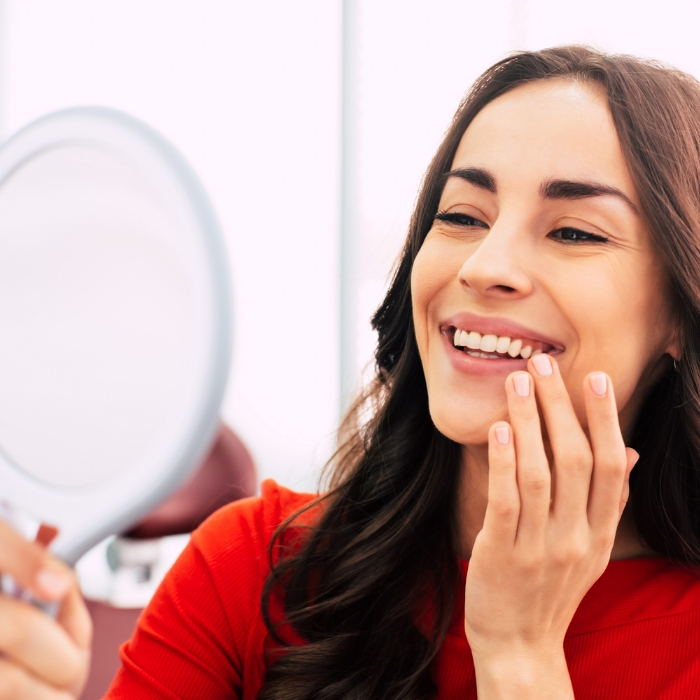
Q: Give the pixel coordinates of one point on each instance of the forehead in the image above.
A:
(557, 129)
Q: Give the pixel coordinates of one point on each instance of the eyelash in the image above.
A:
(465, 220)
(590, 237)
(459, 219)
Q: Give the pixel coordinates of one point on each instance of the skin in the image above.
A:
(40, 657)
(540, 516)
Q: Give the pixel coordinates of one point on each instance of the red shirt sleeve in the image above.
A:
(202, 635)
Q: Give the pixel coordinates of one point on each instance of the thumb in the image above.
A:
(632, 459)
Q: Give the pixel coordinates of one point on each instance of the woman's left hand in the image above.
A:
(547, 533)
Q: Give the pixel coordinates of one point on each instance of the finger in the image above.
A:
(632, 459)
(74, 617)
(39, 644)
(573, 459)
(532, 470)
(31, 566)
(609, 455)
(503, 507)
(17, 684)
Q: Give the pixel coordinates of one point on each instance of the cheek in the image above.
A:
(461, 407)
(620, 328)
(431, 273)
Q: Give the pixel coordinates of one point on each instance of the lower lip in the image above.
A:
(478, 365)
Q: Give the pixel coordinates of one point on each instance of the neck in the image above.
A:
(473, 498)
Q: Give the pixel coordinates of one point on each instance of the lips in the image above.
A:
(484, 362)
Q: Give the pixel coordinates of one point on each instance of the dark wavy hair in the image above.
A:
(351, 584)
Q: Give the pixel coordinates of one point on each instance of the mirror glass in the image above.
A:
(93, 316)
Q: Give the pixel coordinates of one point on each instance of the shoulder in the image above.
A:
(204, 628)
(636, 590)
(242, 530)
(637, 629)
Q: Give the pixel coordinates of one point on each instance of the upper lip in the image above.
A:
(497, 326)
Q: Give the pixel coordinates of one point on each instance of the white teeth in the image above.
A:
(488, 343)
(484, 355)
(514, 348)
(473, 340)
(486, 346)
(503, 344)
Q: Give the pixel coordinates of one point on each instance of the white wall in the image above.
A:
(250, 93)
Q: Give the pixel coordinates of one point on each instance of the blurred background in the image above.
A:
(252, 94)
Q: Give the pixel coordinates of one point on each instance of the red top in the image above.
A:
(635, 635)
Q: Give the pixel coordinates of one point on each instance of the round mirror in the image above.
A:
(114, 319)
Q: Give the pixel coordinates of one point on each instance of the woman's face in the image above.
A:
(538, 239)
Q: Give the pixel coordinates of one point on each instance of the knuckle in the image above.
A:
(556, 393)
(571, 552)
(579, 458)
(532, 562)
(605, 540)
(615, 468)
(536, 484)
(505, 508)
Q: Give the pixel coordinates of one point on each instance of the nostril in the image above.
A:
(504, 288)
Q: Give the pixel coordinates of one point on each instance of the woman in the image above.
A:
(545, 312)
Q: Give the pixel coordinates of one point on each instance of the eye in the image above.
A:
(459, 219)
(573, 235)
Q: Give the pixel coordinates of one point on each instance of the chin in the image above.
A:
(465, 420)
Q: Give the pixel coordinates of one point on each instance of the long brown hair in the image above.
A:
(384, 538)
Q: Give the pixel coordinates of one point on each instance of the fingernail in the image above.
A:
(598, 382)
(502, 434)
(543, 365)
(52, 583)
(522, 384)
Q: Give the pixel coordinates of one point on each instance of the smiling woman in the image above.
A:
(551, 268)
(539, 341)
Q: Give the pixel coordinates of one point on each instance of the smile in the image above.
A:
(495, 347)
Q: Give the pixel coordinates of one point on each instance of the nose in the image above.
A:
(498, 267)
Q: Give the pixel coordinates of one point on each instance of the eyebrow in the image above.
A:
(477, 176)
(569, 189)
(551, 189)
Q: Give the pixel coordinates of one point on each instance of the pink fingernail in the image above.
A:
(52, 583)
(502, 434)
(522, 384)
(599, 383)
(543, 365)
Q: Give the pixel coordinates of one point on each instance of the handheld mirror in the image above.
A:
(114, 323)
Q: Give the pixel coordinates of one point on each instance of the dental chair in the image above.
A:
(227, 474)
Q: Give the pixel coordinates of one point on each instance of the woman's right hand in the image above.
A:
(549, 529)
(41, 658)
